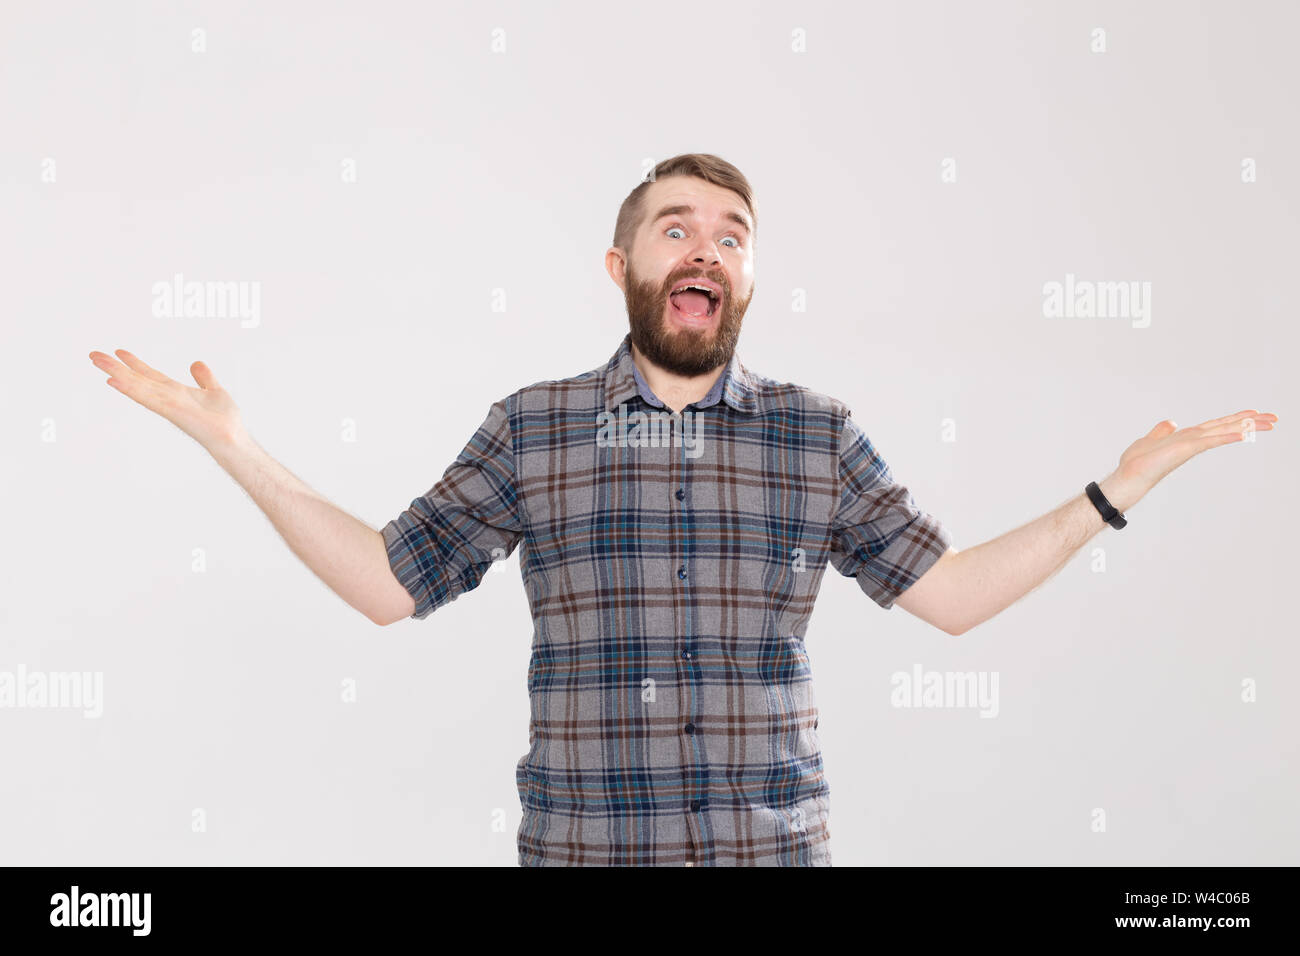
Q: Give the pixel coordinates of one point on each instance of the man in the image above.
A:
(676, 512)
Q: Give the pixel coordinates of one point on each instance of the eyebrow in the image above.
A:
(690, 211)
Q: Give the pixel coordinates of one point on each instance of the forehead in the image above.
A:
(708, 199)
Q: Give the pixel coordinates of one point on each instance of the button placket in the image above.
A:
(696, 785)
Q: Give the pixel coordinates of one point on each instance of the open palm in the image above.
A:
(207, 414)
(1167, 446)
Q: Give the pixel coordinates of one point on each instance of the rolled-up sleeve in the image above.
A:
(442, 545)
(879, 535)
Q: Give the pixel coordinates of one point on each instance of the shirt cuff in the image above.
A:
(913, 551)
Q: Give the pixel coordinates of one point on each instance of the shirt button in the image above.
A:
(681, 572)
(690, 728)
(680, 494)
(686, 654)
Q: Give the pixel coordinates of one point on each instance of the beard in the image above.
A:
(675, 348)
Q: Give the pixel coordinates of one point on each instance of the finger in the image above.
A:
(140, 390)
(1214, 441)
(203, 375)
(128, 381)
(1240, 427)
(1247, 413)
(111, 365)
(134, 363)
(1228, 418)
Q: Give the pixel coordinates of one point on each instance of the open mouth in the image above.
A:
(694, 302)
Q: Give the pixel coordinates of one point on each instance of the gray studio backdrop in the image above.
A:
(420, 197)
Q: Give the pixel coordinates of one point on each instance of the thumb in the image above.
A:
(203, 375)
(1166, 427)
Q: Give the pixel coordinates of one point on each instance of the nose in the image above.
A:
(706, 253)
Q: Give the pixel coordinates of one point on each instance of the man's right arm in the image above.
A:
(348, 555)
(344, 552)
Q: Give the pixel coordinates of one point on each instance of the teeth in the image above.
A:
(707, 291)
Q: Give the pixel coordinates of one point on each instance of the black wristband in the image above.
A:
(1108, 512)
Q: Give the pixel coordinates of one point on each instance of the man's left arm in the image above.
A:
(965, 588)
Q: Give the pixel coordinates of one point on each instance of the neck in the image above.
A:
(675, 391)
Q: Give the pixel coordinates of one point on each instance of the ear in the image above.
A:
(616, 265)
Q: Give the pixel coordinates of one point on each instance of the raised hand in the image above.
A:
(1166, 447)
(207, 414)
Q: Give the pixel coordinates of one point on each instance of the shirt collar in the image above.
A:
(623, 379)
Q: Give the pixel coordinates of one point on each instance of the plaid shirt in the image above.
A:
(670, 576)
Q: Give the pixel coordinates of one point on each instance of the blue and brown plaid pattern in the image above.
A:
(670, 583)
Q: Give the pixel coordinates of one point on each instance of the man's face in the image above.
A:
(699, 238)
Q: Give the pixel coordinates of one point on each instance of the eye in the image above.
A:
(671, 229)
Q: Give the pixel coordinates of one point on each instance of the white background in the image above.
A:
(479, 171)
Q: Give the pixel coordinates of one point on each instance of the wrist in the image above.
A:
(231, 446)
(1120, 493)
